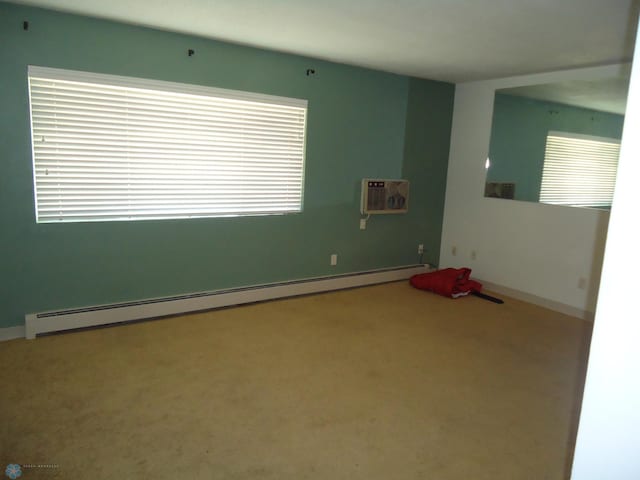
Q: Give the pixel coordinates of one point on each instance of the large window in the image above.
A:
(117, 148)
(579, 170)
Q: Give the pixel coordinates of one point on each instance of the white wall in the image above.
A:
(540, 250)
(608, 443)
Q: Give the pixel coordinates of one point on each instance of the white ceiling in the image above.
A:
(606, 95)
(450, 40)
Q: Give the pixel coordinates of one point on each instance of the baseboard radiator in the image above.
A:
(72, 319)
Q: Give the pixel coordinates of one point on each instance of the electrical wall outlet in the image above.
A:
(582, 283)
(474, 254)
(420, 249)
(454, 250)
(363, 224)
(334, 259)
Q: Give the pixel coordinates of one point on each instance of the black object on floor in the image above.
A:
(487, 297)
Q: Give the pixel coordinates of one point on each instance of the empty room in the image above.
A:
(319, 240)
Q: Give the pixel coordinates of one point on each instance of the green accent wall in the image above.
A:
(361, 123)
(519, 136)
(423, 164)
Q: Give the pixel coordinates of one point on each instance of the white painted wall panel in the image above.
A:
(542, 250)
(608, 443)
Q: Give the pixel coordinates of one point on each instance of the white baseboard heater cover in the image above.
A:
(71, 319)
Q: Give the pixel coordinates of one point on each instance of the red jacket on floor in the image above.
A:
(449, 282)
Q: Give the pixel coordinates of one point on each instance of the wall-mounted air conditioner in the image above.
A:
(384, 196)
(500, 190)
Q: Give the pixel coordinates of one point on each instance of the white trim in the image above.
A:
(582, 136)
(11, 333)
(540, 301)
(149, 84)
(45, 322)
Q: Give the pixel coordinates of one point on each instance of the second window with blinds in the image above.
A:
(118, 148)
(579, 170)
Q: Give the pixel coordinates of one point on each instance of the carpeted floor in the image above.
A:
(383, 382)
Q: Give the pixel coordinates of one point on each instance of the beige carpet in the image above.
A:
(382, 382)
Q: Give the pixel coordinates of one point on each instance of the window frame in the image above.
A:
(299, 105)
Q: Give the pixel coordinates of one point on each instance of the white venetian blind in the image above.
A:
(118, 148)
(579, 170)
